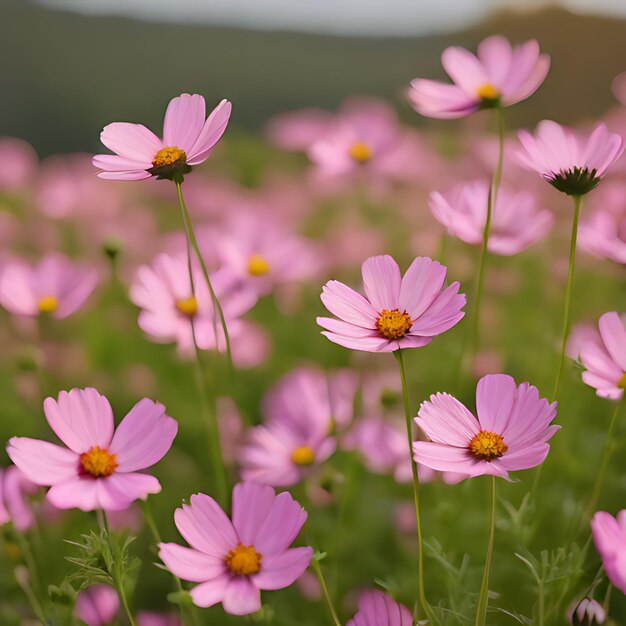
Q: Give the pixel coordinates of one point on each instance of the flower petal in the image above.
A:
(281, 570)
(381, 282)
(190, 564)
(211, 133)
(241, 597)
(251, 506)
(42, 462)
(132, 141)
(184, 119)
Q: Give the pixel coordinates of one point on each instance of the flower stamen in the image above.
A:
(171, 155)
(393, 324)
(98, 462)
(243, 560)
(258, 265)
(303, 456)
(487, 446)
(48, 304)
(187, 306)
(360, 152)
(487, 93)
(621, 383)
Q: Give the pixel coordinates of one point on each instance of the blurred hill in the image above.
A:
(64, 76)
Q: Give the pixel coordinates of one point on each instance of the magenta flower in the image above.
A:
(169, 307)
(150, 618)
(15, 489)
(97, 605)
(586, 612)
(234, 561)
(571, 162)
(379, 609)
(604, 357)
(516, 223)
(603, 232)
(99, 468)
(55, 286)
(398, 312)
(188, 137)
(510, 433)
(609, 536)
(499, 76)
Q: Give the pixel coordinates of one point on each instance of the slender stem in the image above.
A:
(483, 600)
(568, 294)
(122, 594)
(423, 606)
(31, 586)
(191, 238)
(482, 263)
(327, 598)
(604, 463)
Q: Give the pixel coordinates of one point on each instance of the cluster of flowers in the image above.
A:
(253, 248)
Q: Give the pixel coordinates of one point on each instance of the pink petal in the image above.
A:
(118, 491)
(444, 313)
(366, 344)
(190, 564)
(445, 420)
(81, 419)
(251, 506)
(495, 395)
(445, 458)
(613, 334)
(381, 281)
(441, 101)
(495, 54)
(210, 593)
(348, 305)
(283, 569)
(241, 597)
(346, 329)
(115, 163)
(528, 457)
(420, 286)
(42, 462)
(130, 175)
(143, 437)
(281, 526)
(183, 121)
(211, 133)
(77, 493)
(132, 141)
(464, 69)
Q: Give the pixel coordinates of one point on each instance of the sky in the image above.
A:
(350, 17)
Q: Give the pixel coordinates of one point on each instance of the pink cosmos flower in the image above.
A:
(19, 163)
(149, 618)
(169, 307)
(298, 130)
(609, 536)
(604, 357)
(586, 612)
(188, 137)
(510, 433)
(516, 223)
(55, 286)
(570, 161)
(379, 609)
(398, 312)
(499, 76)
(99, 469)
(14, 506)
(234, 561)
(97, 605)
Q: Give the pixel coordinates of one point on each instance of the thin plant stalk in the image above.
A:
(568, 294)
(483, 599)
(191, 238)
(424, 608)
(329, 603)
(31, 586)
(604, 463)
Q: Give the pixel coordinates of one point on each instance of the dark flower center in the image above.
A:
(575, 182)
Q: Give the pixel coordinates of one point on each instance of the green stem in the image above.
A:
(424, 608)
(191, 238)
(32, 586)
(568, 294)
(604, 463)
(122, 594)
(483, 600)
(482, 263)
(327, 598)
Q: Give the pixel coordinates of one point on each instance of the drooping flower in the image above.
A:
(604, 357)
(397, 312)
(586, 612)
(100, 467)
(510, 433)
(169, 307)
(188, 138)
(572, 162)
(609, 537)
(55, 286)
(97, 605)
(499, 75)
(379, 609)
(234, 561)
(15, 489)
(516, 222)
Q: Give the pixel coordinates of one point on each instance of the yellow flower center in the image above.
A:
(393, 324)
(303, 456)
(243, 560)
(169, 156)
(98, 462)
(487, 92)
(258, 265)
(48, 304)
(488, 446)
(187, 306)
(360, 152)
(621, 383)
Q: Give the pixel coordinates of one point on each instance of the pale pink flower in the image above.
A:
(499, 75)
(15, 490)
(19, 163)
(169, 307)
(609, 537)
(297, 130)
(188, 138)
(516, 222)
(586, 612)
(234, 561)
(604, 357)
(618, 87)
(380, 609)
(100, 467)
(398, 312)
(510, 433)
(55, 286)
(150, 618)
(572, 162)
(578, 336)
(97, 605)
